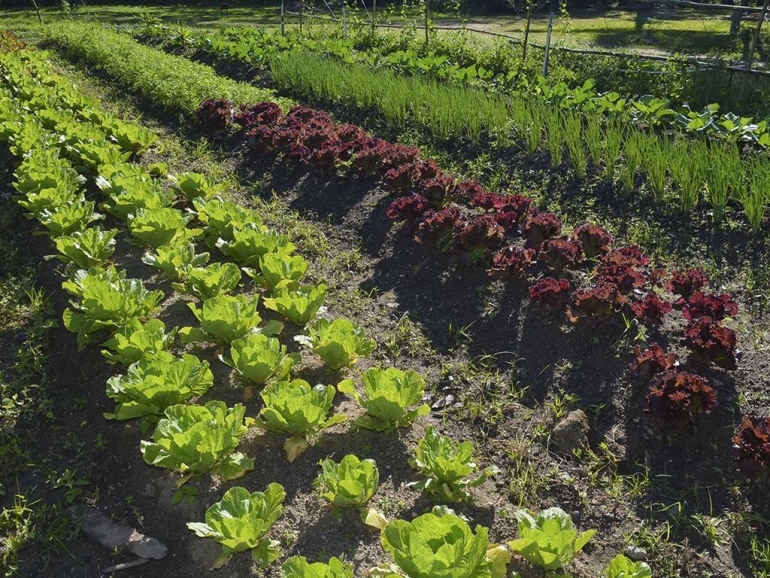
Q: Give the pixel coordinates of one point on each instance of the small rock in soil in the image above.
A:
(571, 433)
(113, 536)
(635, 553)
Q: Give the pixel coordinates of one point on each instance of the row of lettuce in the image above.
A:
(595, 135)
(69, 151)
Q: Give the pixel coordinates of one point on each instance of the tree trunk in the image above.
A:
(736, 17)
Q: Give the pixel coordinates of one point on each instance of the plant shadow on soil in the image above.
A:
(546, 352)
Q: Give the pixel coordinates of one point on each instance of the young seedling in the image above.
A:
(548, 539)
(295, 409)
(299, 567)
(447, 467)
(441, 545)
(339, 343)
(193, 440)
(351, 483)
(240, 521)
(389, 393)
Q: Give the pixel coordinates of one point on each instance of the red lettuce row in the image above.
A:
(509, 233)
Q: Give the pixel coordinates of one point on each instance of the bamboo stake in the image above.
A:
(754, 42)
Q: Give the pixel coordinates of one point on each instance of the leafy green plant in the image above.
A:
(130, 137)
(277, 269)
(193, 440)
(241, 520)
(259, 358)
(548, 539)
(389, 393)
(251, 242)
(295, 409)
(194, 186)
(176, 260)
(447, 466)
(155, 382)
(351, 483)
(209, 282)
(339, 343)
(87, 248)
(226, 318)
(107, 301)
(298, 306)
(135, 338)
(126, 195)
(299, 567)
(69, 218)
(175, 82)
(47, 199)
(223, 217)
(158, 227)
(622, 567)
(440, 544)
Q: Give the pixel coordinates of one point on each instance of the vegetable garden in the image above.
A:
(354, 346)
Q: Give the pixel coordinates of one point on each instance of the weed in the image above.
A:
(562, 404)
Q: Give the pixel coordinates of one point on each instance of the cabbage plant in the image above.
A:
(155, 382)
(351, 483)
(251, 241)
(176, 259)
(339, 343)
(130, 137)
(158, 227)
(259, 358)
(299, 567)
(295, 409)
(276, 269)
(107, 301)
(226, 318)
(622, 567)
(135, 338)
(211, 281)
(194, 186)
(223, 217)
(240, 522)
(87, 248)
(440, 544)
(388, 395)
(298, 306)
(447, 466)
(37, 201)
(193, 440)
(547, 539)
(139, 195)
(68, 218)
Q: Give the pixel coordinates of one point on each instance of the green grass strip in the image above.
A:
(446, 110)
(172, 82)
